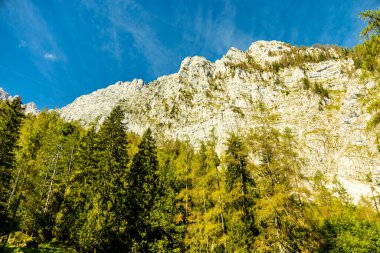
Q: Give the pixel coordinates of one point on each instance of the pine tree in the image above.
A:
(183, 161)
(105, 229)
(142, 187)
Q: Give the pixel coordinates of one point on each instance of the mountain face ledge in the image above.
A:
(320, 101)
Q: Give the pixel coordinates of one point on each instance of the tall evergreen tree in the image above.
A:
(142, 187)
(105, 229)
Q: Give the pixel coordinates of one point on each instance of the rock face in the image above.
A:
(97, 105)
(320, 101)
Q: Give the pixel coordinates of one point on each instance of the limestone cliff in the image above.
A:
(320, 100)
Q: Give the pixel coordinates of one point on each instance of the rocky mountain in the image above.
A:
(3, 94)
(29, 108)
(316, 92)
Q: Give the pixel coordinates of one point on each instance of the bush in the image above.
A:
(322, 92)
(349, 234)
(19, 239)
(306, 83)
(366, 55)
(299, 56)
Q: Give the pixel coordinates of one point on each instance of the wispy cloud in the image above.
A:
(128, 17)
(33, 33)
(216, 31)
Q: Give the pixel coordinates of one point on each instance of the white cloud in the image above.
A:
(121, 18)
(216, 31)
(50, 56)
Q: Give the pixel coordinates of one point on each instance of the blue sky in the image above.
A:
(54, 51)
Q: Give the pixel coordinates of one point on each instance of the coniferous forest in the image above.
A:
(105, 189)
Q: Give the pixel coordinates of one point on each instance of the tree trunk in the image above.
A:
(51, 182)
(14, 186)
(374, 200)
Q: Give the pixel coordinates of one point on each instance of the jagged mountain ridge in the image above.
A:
(223, 97)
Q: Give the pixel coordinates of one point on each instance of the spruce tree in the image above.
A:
(105, 229)
(142, 193)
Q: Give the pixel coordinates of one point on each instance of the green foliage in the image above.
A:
(249, 65)
(142, 193)
(172, 212)
(20, 239)
(11, 115)
(299, 56)
(322, 92)
(45, 158)
(366, 55)
(306, 83)
(42, 248)
(80, 185)
(205, 229)
(240, 199)
(107, 215)
(350, 234)
(281, 211)
(373, 26)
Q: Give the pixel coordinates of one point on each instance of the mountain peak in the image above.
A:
(189, 62)
(3, 94)
(29, 108)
